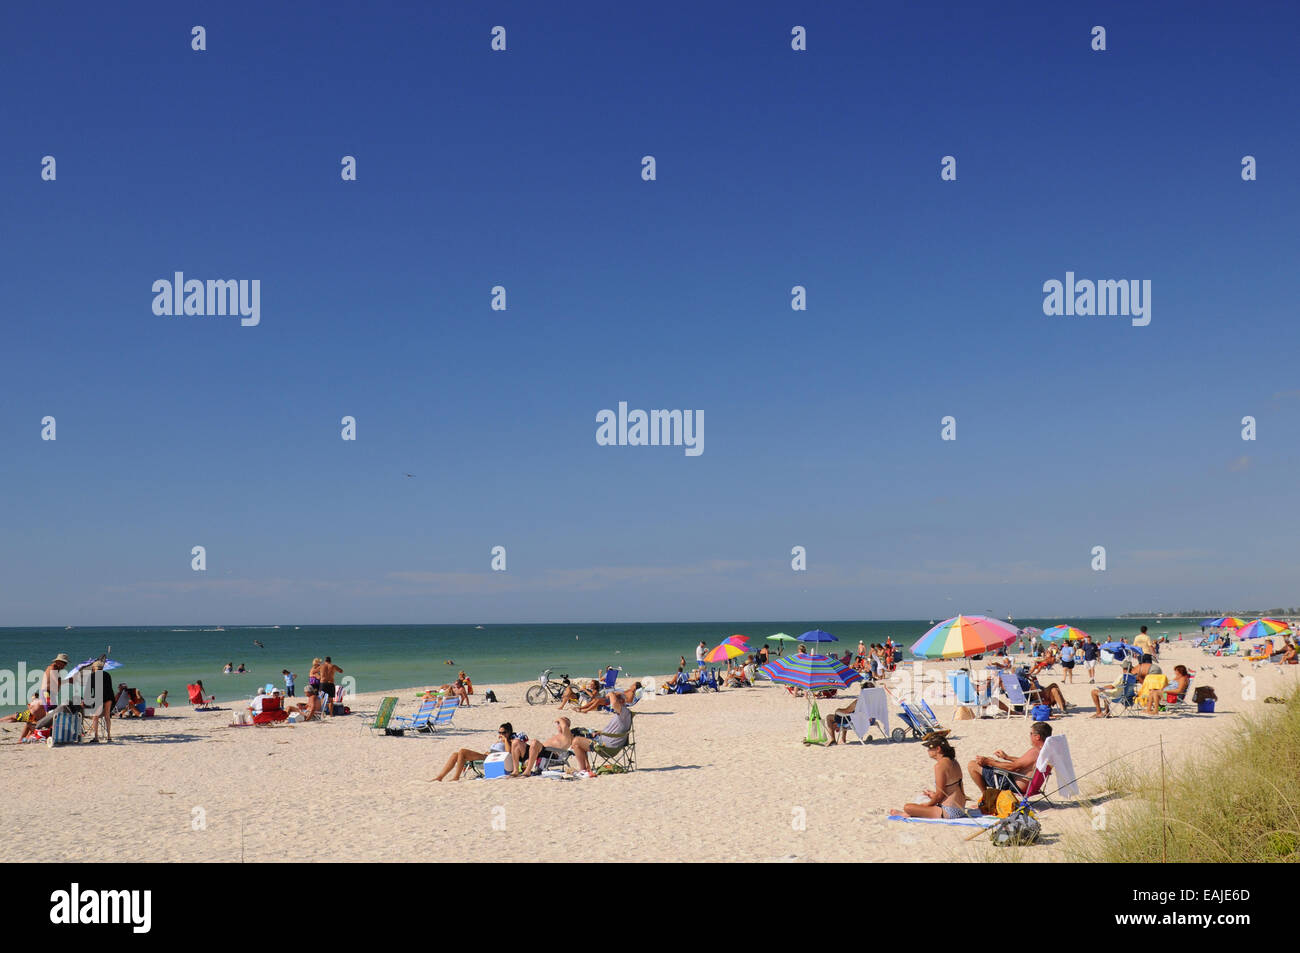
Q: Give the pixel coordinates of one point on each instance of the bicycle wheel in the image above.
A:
(537, 695)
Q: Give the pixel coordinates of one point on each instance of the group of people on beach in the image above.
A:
(90, 692)
(523, 753)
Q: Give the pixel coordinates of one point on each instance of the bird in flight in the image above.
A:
(258, 644)
(410, 474)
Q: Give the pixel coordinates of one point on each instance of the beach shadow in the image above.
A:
(673, 767)
(168, 738)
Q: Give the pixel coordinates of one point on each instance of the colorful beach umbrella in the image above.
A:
(721, 653)
(741, 640)
(1261, 628)
(812, 672)
(963, 636)
(1057, 633)
(1227, 622)
(781, 637)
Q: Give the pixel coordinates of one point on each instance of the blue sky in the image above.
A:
(522, 168)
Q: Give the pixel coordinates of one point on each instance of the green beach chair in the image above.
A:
(620, 760)
(387, 705)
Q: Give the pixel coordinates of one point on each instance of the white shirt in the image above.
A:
(699, 653)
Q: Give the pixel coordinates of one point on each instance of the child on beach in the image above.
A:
(289, 679)
(162, 700)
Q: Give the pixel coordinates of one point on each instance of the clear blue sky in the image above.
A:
(775, 168)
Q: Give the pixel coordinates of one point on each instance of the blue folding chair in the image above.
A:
(420, 720)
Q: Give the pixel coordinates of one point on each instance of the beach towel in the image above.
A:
(984, 821)
(872, 703)
(1056, 754)
(1152, 683)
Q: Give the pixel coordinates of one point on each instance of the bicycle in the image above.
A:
(547, 689)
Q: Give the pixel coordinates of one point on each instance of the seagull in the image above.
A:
(258, 644)
(410, 474)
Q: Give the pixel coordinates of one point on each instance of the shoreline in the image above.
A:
(185, 786)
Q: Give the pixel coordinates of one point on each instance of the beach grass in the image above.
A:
(1235, 802)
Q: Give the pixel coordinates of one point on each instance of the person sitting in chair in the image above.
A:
(613, 736)
(507, 741)
(840, 720)
(309, 711)
(982, 768)
(1174, 691)
(1112, 692)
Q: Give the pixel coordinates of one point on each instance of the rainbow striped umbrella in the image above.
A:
(963, 636)
(1058, 632)
(1227, 622)
(813, 672)
(1261, 628)
(721, 653)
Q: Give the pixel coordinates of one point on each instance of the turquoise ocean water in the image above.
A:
(404, 656)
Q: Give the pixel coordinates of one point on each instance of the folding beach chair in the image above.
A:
(387, 705)
(420, 720)
(1004, 780)
(965, 694)
(1179, 705)
(272, 712)
(608, 680)
(1127, 697)
(198, 700)
(1015, 694)
(606, 760)
(442, 717)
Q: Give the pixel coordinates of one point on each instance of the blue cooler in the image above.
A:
(1205, 706)
(494, 765)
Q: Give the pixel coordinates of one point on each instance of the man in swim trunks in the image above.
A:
(327, 672)
(34, 711)
(982, 768)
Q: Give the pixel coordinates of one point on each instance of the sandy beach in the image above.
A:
(721, 777)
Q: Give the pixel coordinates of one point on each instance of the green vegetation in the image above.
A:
(1239, 801)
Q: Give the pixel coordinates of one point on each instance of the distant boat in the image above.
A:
(66, 628)
(219, 628)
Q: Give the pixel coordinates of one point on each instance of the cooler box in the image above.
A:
(1205, 706)
(494, 765)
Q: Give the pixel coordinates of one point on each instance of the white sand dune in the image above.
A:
(721, 777)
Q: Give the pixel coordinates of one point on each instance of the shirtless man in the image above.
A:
(564, 738)
(35, 711)
(981, 769)
(327, 672)
(50, 680)
(597, 701)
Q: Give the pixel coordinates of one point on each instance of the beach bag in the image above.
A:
(395, 732)
(989, 801)
(1020, 829)
(1202, 693)
(1005, 804)
(490, 696)
(1041, 712)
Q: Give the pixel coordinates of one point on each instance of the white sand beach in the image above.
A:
(721, 777)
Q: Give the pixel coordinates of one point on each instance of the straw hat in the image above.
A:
(62, 657)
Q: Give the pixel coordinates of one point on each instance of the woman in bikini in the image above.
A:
(948, 800)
